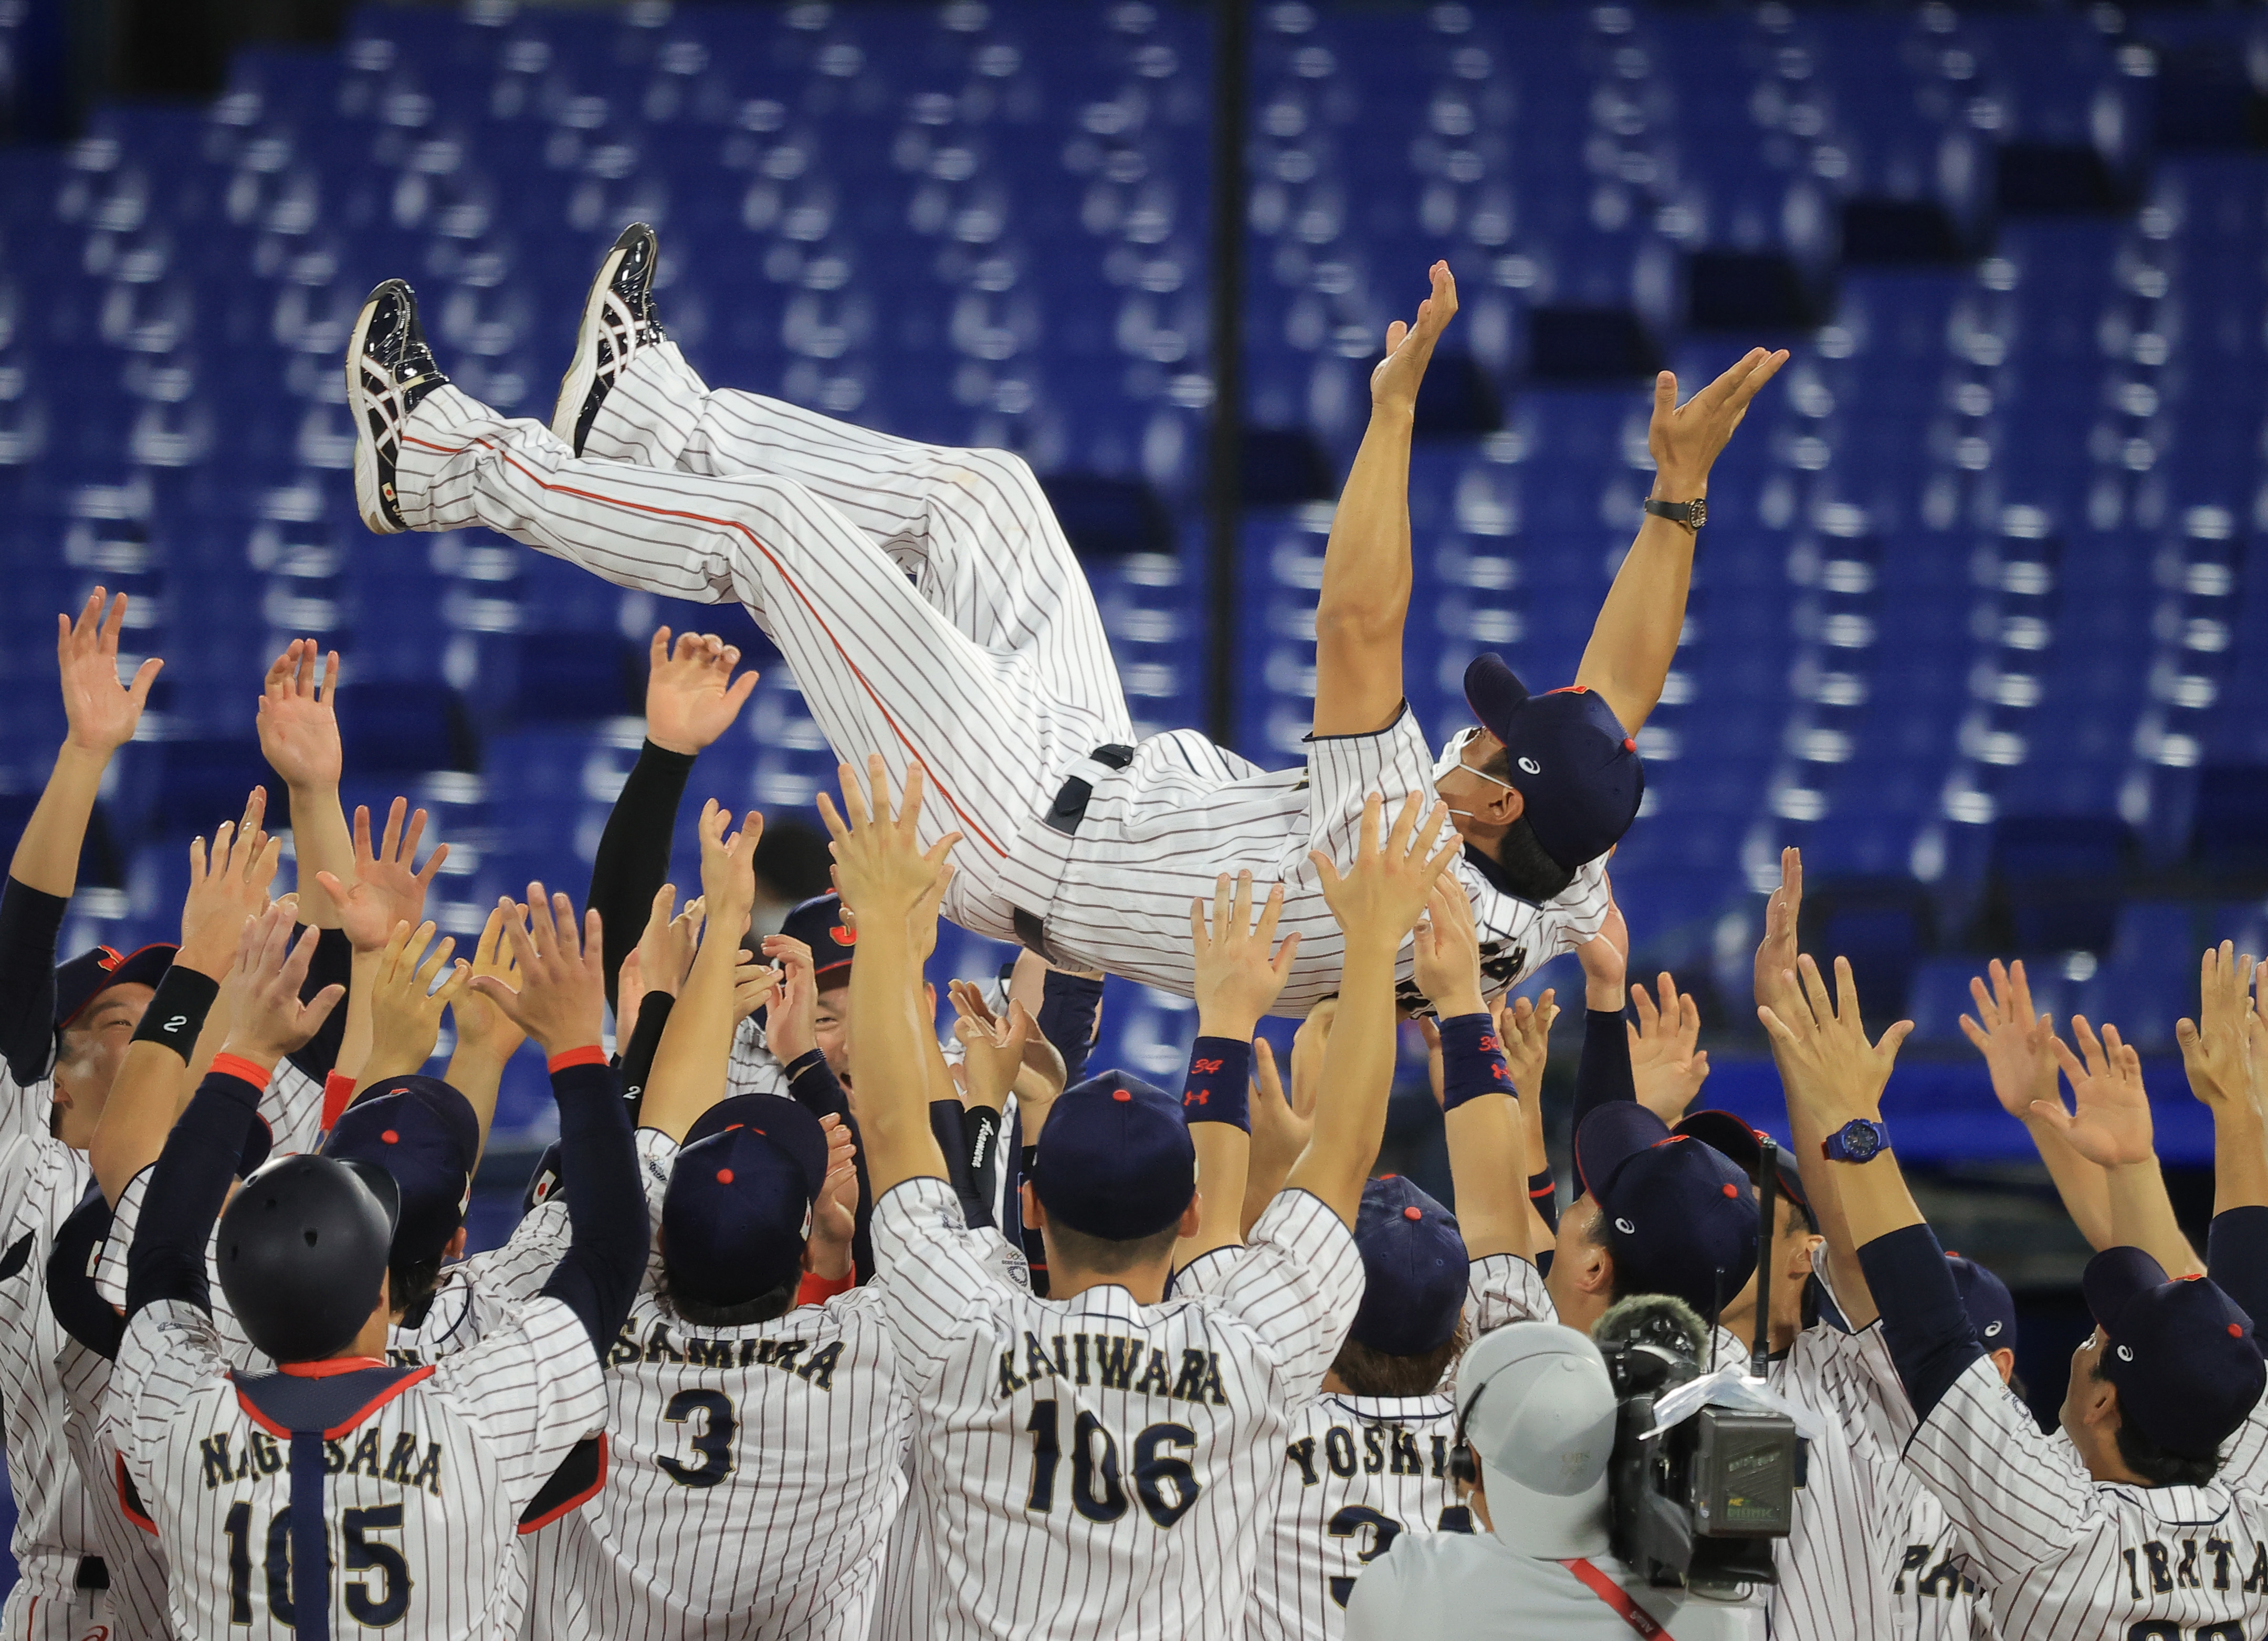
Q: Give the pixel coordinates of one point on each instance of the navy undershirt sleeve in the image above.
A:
(598, 1275)
(2236, 1259)
(30, 919)
(632, 862)
(1931, 1338)
(187, 1187)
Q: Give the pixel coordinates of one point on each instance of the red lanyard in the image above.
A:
(1615, 1596)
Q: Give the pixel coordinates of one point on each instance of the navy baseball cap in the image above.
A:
(1991, 1308)
(1414, 1266)
(1723, 1131)
(819, 924)
(1577, 768)
(423, 1133)
(1115, 1159)
(1680, 1215)
(739, 1203)
(91, 974)
(2181, 1351)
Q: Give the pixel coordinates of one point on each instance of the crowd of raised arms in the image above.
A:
(818, 1323)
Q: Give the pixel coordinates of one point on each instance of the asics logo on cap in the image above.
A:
(1531, 766)
(1991, 1329)
(2124, 1354)
(1625, 1227)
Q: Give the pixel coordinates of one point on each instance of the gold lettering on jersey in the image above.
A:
(787, 1355)
(2256, 1582)
(262, 1456)
(1116, 1362)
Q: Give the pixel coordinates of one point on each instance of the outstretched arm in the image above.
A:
(1488, 1142)
(102, 715)
(688, 1074)
(2113, 1129)
(1366, 591)
(299, 729)
(1636, 636)
(2019, 1048)
(884, 875)
(1376, 902)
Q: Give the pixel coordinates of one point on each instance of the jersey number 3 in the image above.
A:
(1163, 1481)
(708, 1415)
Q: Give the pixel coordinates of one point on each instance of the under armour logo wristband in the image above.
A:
(1472, 1060)
(1219, 1088)
(177, 1010)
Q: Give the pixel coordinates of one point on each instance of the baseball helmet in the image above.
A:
(302, 1252)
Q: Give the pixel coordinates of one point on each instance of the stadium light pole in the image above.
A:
(1225, 454)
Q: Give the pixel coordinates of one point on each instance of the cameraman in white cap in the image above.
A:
(1535, 1427)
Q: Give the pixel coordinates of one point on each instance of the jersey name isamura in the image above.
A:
(784, 1354)
(1112, 1362)
(372, 1454)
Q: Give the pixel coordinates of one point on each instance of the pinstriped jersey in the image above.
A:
(424, 1491)
(1359, 1472)
(130, 1552)
(754, 1471)
(1116, 896)
(2076, 1559)
(42, 1181)
(1095, 1465)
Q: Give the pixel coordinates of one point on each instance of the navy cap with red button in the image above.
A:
(2181, 1351)
(88, 975)
(1415, 1270)
(1115, 1160)
(1576, 768)
(1680, 1215)
(424, 1134)
(740, 1201)
(819, 923)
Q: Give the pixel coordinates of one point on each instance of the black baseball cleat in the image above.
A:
(389, 369)
(617, 321)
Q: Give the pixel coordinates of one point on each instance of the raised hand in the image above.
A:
(2112, 1125)
(1281, 1126)
(405, 1008)
(483, 1028)
(102, 712)
(1240, 973)
(1685, 439)
(728, 873)
(791, 1030)
(1410, 348)
(227, 887)
(1388, 884)
(1666, 1065)
(1776, 966)
(665, 952)
(2215, 1046)
(880, 866)
(993, 1047)
(1446, 952)
(270, 1020)
(755, 984)
(691, 697)
(2018, 1045)
(298, 726)
(835, 1214)
(560, 1000)
(385, 891)
(1821, 1045)
(1524, 1028)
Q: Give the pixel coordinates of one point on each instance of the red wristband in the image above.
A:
(244, 1070)
(817, 1290)
(338, 1095)
(595, 1055)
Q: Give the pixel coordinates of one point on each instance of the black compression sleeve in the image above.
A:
(633, 859)
(166, 1259)
(71, 1293)
(637, 1054)
(980, 1144)
(944, 1122)
(812, 1081)
(1603, 1074)
(333, 966)
(1929, 1333)
(29, 922)
(2236, 1259)
(598, 1275)
(1069, 1005)
(177, 1012)
(1544, 1191)
(1036, 1247)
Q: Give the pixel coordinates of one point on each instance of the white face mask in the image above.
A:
(1453, 759)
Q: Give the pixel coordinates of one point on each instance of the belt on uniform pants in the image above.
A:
(1063, 815)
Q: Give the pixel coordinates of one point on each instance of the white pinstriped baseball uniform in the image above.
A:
(990, 665)
(1094, 1465)
(422, 1507)
(753, 1476)
(41, 1180)
(139, 1606)
(1825, 1591)
(2080, 1560)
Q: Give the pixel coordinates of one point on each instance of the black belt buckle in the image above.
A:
(1069, 806)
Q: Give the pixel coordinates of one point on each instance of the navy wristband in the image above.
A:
(177, 1010)
(1472, 1060)
(1218, 1089)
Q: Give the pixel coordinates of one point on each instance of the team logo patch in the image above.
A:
(843, 934)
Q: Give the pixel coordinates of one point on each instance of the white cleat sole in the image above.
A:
(574, 387)
(368, 498)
